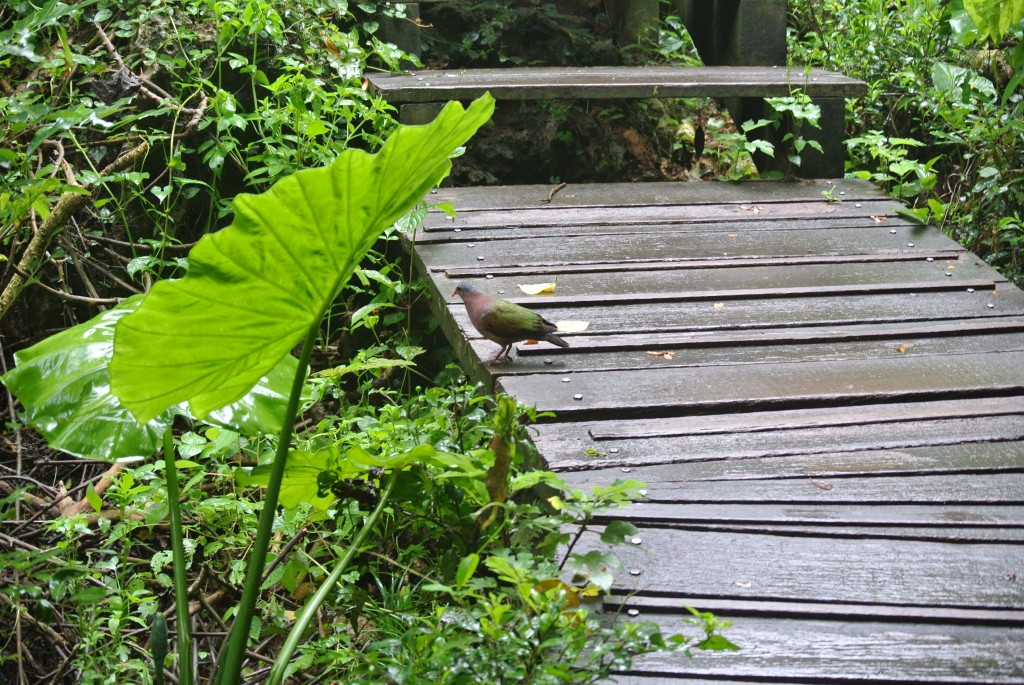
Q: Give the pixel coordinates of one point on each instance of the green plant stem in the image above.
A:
(309, 611)
(233, 653)
(181, 614)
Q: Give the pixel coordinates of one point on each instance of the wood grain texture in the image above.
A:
(552, 83)
(819, 651)
(824, 401)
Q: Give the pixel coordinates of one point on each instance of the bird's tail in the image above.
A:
(555, 340)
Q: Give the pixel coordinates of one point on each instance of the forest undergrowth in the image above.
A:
(127, 131)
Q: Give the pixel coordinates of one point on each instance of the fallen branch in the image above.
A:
(83, 505)
(69, 203)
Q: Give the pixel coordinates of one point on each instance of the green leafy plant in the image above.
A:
(252, 292)
(995, 17)
(941, 124)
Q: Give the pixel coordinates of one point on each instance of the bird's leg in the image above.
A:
(502, 355)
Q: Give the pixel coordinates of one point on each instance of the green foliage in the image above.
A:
(226, 96)
(254, 289)
(942, 122)
(995, 17)
(492, 33)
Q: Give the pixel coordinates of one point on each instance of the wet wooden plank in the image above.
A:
(896, 534)
(690, 231)
(809, 418)
(624, 250)
(839, 450)
(814, 610)
(739, 279)
(759, 386)
(656, 193)
(861, 570)
(485, 221)
(826, 516)
(581, 464)
(700, 317)
(547, 83)
(821, 651)
(974, 489)
(661, 350)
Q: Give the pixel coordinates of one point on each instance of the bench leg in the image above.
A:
(404, 33)
(829, 163)
(417, 113)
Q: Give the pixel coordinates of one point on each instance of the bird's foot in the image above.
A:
(502, 356)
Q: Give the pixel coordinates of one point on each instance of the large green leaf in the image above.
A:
(63, 384)
(995, 17)
(301, 481)
(254, 289)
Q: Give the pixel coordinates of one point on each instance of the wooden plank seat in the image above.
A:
(419, 94)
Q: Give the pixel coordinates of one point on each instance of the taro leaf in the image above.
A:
(256, 288)
(302, 470)
(63, 384)
(300, 478)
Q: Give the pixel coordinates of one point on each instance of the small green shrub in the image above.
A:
(941, 126)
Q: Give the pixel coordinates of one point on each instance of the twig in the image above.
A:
(42, 627)
(64, 295)
(68, 204)
(279, 557)
(554, 191)
(106, 480)
(155, 92)
(184, 247)
(63, 665)
(76, 262)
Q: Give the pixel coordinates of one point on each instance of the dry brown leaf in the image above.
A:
(903, 348)
(755, 209)
(662, 354)
(821, 485)
(879, 219)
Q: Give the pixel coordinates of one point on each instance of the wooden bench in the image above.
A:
(420, 94)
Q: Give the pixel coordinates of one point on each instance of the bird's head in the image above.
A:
(463, 288)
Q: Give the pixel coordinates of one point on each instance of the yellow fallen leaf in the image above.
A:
(572, 326)
(537, 288)
(719, 305)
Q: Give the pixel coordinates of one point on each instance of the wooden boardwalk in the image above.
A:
(826, 401)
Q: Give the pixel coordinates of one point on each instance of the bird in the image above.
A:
(504, 322)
